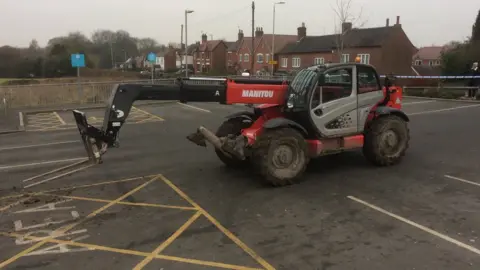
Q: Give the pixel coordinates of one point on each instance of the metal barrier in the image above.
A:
(44, 95)
(450, 92)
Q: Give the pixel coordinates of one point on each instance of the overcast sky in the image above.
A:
(426, 22)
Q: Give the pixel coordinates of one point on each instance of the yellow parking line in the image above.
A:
(98, 184)
(13, 204)
(109, 201)
(59, 118)
(147, 113)
(167, 242)
(130, 252)
(230, 235)
(64, 229)
(12, 196)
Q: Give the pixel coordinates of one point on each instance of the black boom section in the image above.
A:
(124, 95)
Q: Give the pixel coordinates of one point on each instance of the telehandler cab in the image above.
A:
(325, 109)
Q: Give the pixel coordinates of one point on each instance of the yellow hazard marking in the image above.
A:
(148, 257)
(168, 241)
(64, 229)
(129, 252)
(215, 222)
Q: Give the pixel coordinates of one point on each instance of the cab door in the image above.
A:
(369, 93)
(333, 104)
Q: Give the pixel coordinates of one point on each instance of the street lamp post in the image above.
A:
(187, 11)
(273, 34)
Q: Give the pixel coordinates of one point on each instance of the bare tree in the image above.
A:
(345, 21)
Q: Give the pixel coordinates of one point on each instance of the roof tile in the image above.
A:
(364, 37)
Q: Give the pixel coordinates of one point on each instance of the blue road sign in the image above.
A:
(152, 57)
(78, 60)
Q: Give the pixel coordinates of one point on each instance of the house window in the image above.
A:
(418, 62)
(267, 57)
(260, 58)
(246, 57)
(284, 62)
(296, 62)
(318, 61)
(364, 58)
(434, 62)
(239, 58)
(345, 58)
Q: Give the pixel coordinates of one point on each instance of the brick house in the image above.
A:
(232, 63)
(210, 56)
(427, 61)
(262, 49)
(388, 48)
(428, 56)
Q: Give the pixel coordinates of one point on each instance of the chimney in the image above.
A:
(398, 20)
(240, 35)
(346, 26)
(388, 22)
(204, 38)
(301, 31)
(259, 32)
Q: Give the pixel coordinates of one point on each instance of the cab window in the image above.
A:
(367, 80)
(337, 85)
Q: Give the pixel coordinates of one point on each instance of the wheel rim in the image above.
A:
(283, 156)
(390, 142)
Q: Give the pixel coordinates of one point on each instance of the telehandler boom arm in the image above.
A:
(223, 91)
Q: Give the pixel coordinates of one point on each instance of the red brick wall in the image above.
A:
(218, 58)
(397, 54)
(244, 48)
(170, 59)
(263, 49)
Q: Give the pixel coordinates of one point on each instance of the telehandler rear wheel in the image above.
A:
(232, 126)
(386, 140)
(280, 156)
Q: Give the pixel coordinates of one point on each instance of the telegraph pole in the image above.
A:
(253, 39)
(181, 42)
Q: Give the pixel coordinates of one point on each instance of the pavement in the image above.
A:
(161, 202)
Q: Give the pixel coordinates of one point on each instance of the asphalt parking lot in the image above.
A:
(160, 202)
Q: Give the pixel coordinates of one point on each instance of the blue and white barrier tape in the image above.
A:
(433, 77)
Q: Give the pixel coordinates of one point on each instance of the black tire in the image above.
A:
(375, 148)
(231, 126)
(266, 157)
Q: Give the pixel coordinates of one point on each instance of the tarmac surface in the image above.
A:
(161, 202)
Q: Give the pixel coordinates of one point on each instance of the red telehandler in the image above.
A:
(325, 109)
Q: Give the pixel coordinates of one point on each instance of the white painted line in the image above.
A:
(39, 163)
(20, 117)
(56, 170)
(418, 226)
(194, 107)
(58, 176)
(59, 118)
(444, 110)
(418, 102)
(36, 145)
(463, 180)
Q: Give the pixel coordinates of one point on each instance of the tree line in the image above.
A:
(105, 49)
(458, 57)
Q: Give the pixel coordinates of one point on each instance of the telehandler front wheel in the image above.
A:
(280, 156)
(386, 140)
(232, 126)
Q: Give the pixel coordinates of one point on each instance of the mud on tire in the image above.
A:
(386, 140)
(280, 156)
(232, 126)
